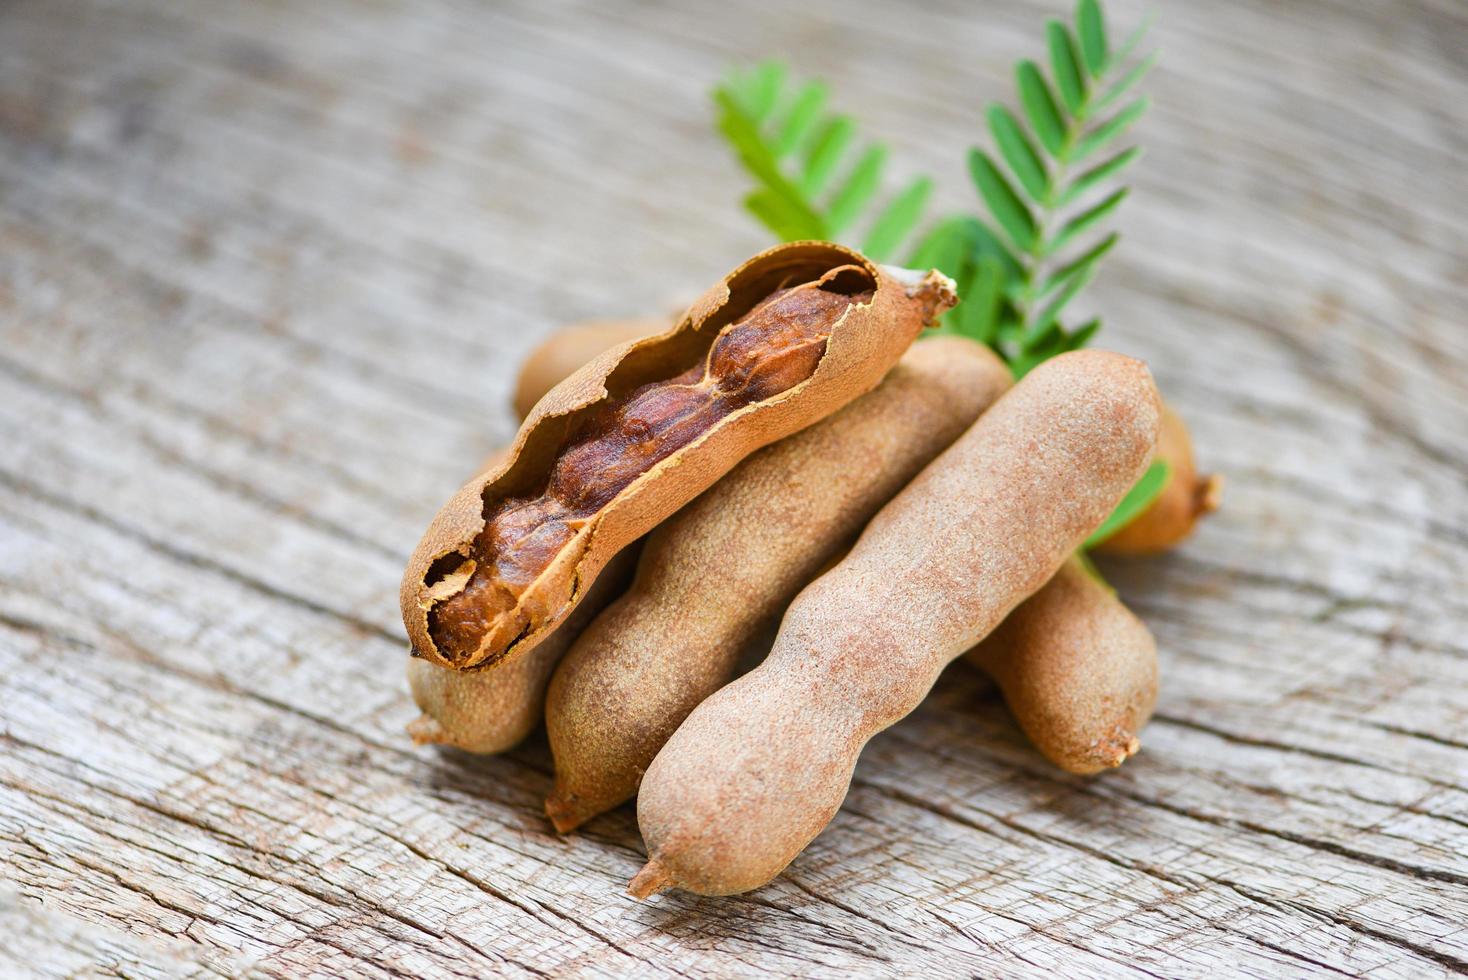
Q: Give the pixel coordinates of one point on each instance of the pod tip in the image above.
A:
(1210, 493)
(426, 730)
(563, 814)
(1108, 753)
(653, 878)
(1122, 748)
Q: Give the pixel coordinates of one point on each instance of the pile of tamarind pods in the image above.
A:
(784, 453)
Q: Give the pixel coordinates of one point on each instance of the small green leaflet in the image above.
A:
(1069, 79)
(1103, 134)
(1017, 150)
(1086, 220)
(804, 112)
(1124, 86)
(1077, 266)
(1138, 499)
(858, 190)
(1083, 182)
(825, 153)
(893, 224)
(1004, 203)
(1091, 26)
(945, 248)
(1039, 105)
(978, 315)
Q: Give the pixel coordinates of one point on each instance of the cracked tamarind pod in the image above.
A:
(1187, 498)
(785, 340)
(717, 572)
(1077, 669)
(492, 710)
(760, 768)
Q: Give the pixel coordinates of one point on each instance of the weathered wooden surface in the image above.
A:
(265, 272)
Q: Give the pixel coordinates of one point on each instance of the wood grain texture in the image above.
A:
(266, 271)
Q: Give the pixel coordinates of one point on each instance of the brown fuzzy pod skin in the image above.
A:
(760, 768)
(1187, 498)
(492, 710)
(632, 436)
(1077, 669)
(562, 353)
(722, 568)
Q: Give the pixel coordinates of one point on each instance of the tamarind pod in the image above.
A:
(492, 709)
(728, 563)
(1187, 497)
(560, 354)
(1077, 669)
(760, 768)
(786, 339)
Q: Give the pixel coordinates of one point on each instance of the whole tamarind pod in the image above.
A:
(785, 340)
(1187, 497)
(1077, 669)
(493, 709)
(560, 354)
(717, 572)
(757, 770)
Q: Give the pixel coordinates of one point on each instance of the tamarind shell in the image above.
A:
(757, 770)
(492, 710)
(866, 341)
(1077, 669)
(717, 572)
